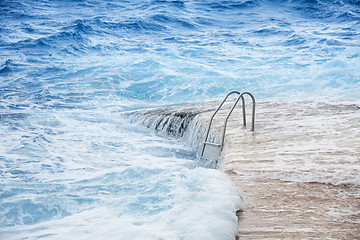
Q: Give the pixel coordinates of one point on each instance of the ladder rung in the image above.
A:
(213, 144)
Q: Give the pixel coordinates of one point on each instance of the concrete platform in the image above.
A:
(299, 172)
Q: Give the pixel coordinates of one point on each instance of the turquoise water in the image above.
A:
(70, 163)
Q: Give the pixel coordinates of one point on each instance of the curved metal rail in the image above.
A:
(241, 96)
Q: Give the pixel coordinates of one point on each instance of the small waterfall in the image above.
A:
(184, 122)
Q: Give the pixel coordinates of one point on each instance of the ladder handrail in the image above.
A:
(244, 116)
(212, 117)
(241, 96)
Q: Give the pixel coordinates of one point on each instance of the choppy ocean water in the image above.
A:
(73, 167)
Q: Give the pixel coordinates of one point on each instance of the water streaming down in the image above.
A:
(73, 166)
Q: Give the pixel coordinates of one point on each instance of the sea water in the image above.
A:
(73, 167)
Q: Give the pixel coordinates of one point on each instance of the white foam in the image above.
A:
(204, 202)
(107, 179)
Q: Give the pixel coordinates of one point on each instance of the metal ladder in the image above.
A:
(241, 96)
